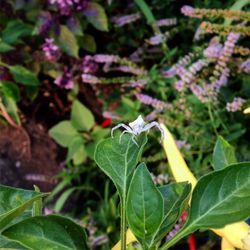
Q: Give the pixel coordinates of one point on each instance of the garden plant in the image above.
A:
(91, 89)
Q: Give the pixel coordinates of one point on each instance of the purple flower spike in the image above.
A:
(235, 105)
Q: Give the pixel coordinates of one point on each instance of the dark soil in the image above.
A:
(28, 156)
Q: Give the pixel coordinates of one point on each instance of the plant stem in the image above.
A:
(123, 223)
(212, 118)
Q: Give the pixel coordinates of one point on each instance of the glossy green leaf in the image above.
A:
(176, 197)
(68, 42)
(63, 133)
(14, 201)
(6, 244)
(96, 15)
(145, 206)
(118, 159)
(81, 117)
(49, 232)
(219, 198)
(16, 29)
(23, 75)
(223, 155)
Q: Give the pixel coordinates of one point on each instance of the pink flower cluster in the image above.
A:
(235, 105)
(166, 22)
(51, 50)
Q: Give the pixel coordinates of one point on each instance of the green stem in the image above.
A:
(150, 19)
(238, 5)
(212, 118)
(181, 234)
(123, 223)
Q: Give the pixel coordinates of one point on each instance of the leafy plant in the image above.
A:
(34, 230)
(215, 194)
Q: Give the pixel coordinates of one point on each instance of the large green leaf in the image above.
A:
(14, 30)
(223, 155)
(145, 206)
(96, 15)
(14, 201)
(219, 198)
(6, 244)
(68, 42)
(176, 197)
(118, 159)
(63, 133)
(12, 108)
(81, 117)
(48, 232)
(23, 75)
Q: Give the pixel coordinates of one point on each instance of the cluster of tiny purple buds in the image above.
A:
(87, 78)
(89, 65)
(213, 50)
(51, 50)
(245, 66)
(222, 81)
(66, 6)
(204, 94)
(120, 21)
(148, 100)
(157, 39)
(189, 11)
(235, 105)
(137, 83)
(132, 70)
(180, 85)
(102, 58)
(166, 22)
(65, 81)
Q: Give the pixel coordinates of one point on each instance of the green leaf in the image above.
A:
(97, 16)
(10, 89)
(5, 47)
(10, 245)
(68, 42)
(14, 201)
(12, 108)
(16, 29)
(176, 197)
(81, 117)
(88, 43)
(63, 133)
(23, 75)
(219, 198)
(76, 150)
(118, 159)
(223, 155)
(144, 206)
(49, 232)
